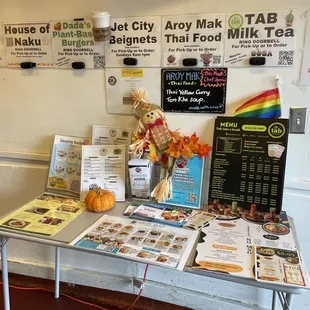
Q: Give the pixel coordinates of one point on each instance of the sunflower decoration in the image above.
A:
(164, 146)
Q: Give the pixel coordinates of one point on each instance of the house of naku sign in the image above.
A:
(28, 43)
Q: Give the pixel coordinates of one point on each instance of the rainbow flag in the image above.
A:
(265, 105)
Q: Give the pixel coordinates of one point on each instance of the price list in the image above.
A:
(248, 162)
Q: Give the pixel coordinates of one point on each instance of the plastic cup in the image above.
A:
(101, 26)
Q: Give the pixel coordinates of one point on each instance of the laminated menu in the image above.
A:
(227, 244)
(248, 167)
(141, 241)
(280, 266)
(103, 166)
(65, 166)
(45, 215)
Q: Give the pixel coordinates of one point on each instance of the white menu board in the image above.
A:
(120, 82)
(2, 47)
(135, 37)
(103, 166)
(28, 42)
(269, 34)
(111, 135)
(305, 69)
(73, 41)
(198, 36)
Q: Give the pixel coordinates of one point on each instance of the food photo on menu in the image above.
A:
(149, 242)
(232, 211)
(280, 266)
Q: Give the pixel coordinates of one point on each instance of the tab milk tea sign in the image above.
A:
(194, 90)
(248, 166)
(269, 34)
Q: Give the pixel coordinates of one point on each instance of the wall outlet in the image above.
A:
(298, 118)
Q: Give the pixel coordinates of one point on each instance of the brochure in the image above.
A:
(187, 183)
(111, 135)
(142, 241)
(281, 266)
(65, 165)
(103, 166)
(199, 220)
(45, 215)
(226, 244)
(159, 213)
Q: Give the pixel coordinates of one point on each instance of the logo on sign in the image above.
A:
(276, 130)
(171, 59)
(235, 21)
(113, 133)
(138, 170)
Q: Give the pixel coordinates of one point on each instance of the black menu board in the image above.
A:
(248, 167)
(194, 90)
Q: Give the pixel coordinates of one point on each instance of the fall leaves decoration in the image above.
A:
(184, 146)
(165, 146)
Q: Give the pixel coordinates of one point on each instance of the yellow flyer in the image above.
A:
(46, 215)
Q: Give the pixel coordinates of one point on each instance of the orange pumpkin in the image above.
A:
(99, 200)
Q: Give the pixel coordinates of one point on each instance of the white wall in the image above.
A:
(35, 105)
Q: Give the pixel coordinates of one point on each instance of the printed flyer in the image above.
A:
(28, 42)
(194, 90)
(227, 242)
(187, 183)
(111, 135)
(120, 82)
(137, 38)
(225, 246)
(160, 213)
(139, 240)
(305, 69)
(193, 36)
(103, 166)
(260, 34)
(73, 41)
(2, 48)
(280, 266)
(65, 166)
(46, 215)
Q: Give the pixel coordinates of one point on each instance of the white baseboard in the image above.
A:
(154, 290)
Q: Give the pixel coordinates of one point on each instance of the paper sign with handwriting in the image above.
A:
(194, 90)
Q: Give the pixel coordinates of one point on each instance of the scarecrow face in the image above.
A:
(150, 117)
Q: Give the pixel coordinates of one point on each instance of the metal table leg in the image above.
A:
(57, 271)
(289, 298)
(274, 300)
(5, 275)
